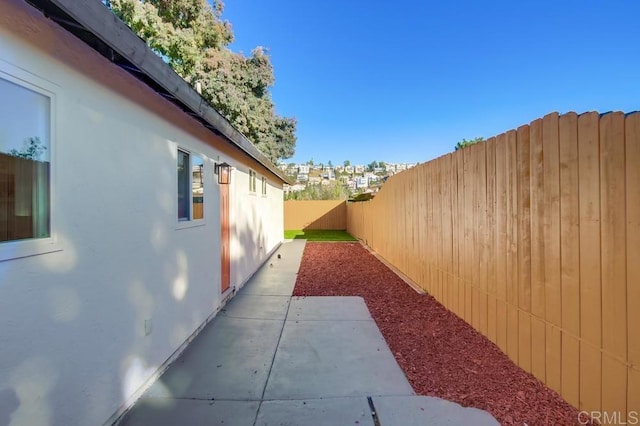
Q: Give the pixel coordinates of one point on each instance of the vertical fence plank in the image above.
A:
(453, 200)
(475, 258)
(460, 234)
(511, 246)
(551, 221)
(482, 247)
(570, 258)
(468, 258)
(424, 230)
(453, 188)
(491, 239)
(613, 234)
(441, 230)
(538, 332)
(633, 393)
(524, 247)
(435, 226)
(632, 149)
(590, 289)
(448, 218)
(501, 242)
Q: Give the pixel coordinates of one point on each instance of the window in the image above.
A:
(25, 128)
(264, 186)
(197, 187)
(252, 181)
(184, 212)
(190, 186)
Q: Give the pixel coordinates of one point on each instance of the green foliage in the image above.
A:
(363, 196)
(191, 36)
(347, 163)
(33, 151)
(318, 235)
(465, 142)
(333, 191)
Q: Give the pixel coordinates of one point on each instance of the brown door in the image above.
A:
(224, 237)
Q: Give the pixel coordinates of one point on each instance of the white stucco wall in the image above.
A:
(258, 225)
(74, 347)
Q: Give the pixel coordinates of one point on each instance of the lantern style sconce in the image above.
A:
(223, 170)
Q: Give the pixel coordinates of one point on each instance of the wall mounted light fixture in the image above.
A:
(223, 170)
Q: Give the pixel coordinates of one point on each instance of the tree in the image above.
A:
(333, 191)
(372, 166)
(330, 164)
(33, 150)
(465, 142)
(192, 38)
(347, 163)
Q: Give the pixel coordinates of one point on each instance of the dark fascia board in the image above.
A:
(95, 18)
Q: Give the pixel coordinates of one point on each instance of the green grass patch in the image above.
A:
(318, 235)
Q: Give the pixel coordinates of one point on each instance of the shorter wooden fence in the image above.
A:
(315, 214)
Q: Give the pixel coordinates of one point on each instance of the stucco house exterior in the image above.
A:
(118, 242)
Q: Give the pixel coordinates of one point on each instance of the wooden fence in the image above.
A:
(315, 214)
(532, 237)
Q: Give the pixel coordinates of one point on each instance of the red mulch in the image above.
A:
(440, 354)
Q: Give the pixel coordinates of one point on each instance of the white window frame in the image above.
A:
(252, 182)
(191, 222)
(36, 246)
(265, 184)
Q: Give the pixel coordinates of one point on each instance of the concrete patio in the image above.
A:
(272, 359)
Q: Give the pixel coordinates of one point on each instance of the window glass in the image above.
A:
(197, 186)
(24, 163)
(253, 181)
(183, 186)
(264, 185)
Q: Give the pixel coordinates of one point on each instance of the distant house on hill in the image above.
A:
(303, 168)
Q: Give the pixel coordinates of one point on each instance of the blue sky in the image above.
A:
(403, 81)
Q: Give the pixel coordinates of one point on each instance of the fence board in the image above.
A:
(590, 296)
(524, 340)
(468, 245)
(490, 152)
(614, 386)
(538, 342)
(501, 242)
(511, 245)
(613, 249)
(571, 369)
(538, 339)
(523, 181)
(551, 224)
(460, 237)
(482, 244)
(570, 257)
(633, 391)
(632, 150)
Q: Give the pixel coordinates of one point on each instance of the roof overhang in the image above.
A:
(94, 24)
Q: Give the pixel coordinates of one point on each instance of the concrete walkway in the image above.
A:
(272, 359)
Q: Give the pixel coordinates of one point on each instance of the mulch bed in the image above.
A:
(440, 354)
